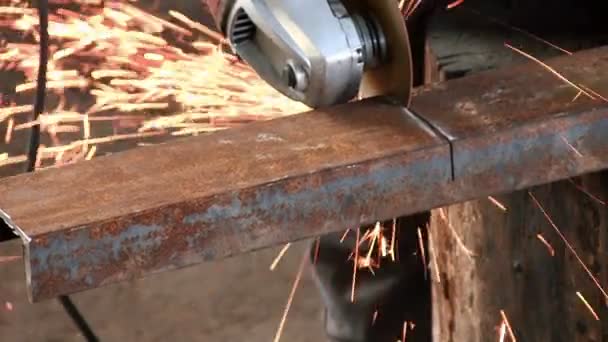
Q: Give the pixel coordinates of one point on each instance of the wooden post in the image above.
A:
(513, 270)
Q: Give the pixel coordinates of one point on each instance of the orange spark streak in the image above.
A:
(119, 56)
(296, 282)
(469, 253)
(374, 235)
(546, 243)
(433, 252)
(9, 258)
(197, 26)
(279, 256)
(524, 32)
(589, 307)
(570, 146)
(583, 190)
(16, 10)
(317, 250)
(509, 329)
(577, 96)
(594, 93)
(454, 4)
(6, 160)
(344, 236)
(374, 317)
(7, 112)
(497, 203)
(355, 266)
(401, 3)
(53, 85)
(404, 332)
(9, 130)
(112, 138)
(91, 153)
(393, 236)
(421, 246)
(551, 70)
(561, 235)
(502, 331)
(410, 8)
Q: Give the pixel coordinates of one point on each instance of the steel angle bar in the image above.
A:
(202, 198)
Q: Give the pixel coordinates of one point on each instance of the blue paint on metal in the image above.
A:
(68, 254)
(76, 256)
(507, 160)
(369, 185)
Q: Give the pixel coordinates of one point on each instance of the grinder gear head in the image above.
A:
(321, 52)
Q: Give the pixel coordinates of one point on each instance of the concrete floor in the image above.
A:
(239, 298)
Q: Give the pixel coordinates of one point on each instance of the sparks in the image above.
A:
(91, 153)
(404, 332)
(589, 307)
(567, 243)
(469, 253)
(118, 57)
(542, 239)
(412, 5)
(579, 154)
(355, 267)
(594, 93)
(576, 97)
(422, 253)
(5, 159)
(524, 32)
(9, 258)
(278, 258)
(317, 250)
(502, 331)
(497, 203)
(583, 190)
(344, 236)
(393, 237)
(454, 4)
(292, 293)
(551, 70)
(508, 325)
(433, 252)
(9, 130)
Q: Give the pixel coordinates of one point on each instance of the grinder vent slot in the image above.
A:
(243, 29)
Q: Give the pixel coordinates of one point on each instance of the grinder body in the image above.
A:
(321, 52)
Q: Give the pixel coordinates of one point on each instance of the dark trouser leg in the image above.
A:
(398, 291)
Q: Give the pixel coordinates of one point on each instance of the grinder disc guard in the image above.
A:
(393, 77)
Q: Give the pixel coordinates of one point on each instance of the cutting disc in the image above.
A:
(394, 77)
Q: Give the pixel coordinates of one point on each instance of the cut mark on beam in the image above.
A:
(440, 133)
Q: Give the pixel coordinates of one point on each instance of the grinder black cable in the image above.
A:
(34, 145)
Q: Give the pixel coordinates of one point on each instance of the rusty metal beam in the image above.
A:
(202, 198)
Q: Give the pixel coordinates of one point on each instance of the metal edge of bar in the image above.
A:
(8, 221)
(530, 153)
(388, 187)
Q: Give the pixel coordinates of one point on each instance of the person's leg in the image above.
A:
(398, 291)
